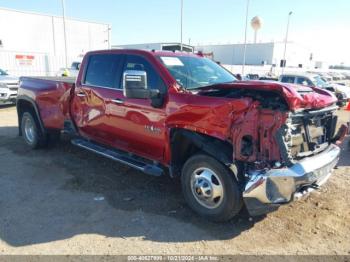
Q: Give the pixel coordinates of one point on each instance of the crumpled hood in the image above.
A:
(296, 96)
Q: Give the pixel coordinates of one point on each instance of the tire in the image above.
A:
(196, 173)
(31, 132)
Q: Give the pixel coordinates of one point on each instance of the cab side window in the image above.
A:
(154, 81)
(102, 70)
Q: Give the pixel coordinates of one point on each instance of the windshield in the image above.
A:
(3, 73)
(196, 72)
(319, 82)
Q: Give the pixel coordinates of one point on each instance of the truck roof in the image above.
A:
(142, 51)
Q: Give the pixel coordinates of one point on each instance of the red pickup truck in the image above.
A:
(258, 144)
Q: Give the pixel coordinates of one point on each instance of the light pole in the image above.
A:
(285, 42)
(64, 31)
(182, 7)
(245, 38)
(109, 36)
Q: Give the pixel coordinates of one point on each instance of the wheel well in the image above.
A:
(185, 143)
(26, 106)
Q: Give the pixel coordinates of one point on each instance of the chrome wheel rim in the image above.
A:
(29, 130)
(207, 188)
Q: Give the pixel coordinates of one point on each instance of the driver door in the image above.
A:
(141, 130)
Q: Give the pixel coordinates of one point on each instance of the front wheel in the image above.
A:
(210, 188)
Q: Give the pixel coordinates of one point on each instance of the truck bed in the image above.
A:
(51, 95)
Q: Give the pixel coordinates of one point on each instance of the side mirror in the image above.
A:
(135, 85)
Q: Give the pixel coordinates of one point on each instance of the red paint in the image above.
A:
(125, 126)
(317, 99)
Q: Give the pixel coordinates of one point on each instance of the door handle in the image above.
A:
(118, 101)
(81, 94)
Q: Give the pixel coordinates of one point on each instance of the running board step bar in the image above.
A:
(119, 156)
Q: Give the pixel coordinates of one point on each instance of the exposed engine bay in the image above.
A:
(307, 133)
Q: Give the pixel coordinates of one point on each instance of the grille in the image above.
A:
(12, 86)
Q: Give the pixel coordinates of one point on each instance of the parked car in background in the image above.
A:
(230, 142)
(337, 76)
(71, 72)
(313, 80)
(8, 88)
(346, 75)
(325, 76)
(252, 76)
(268, 78)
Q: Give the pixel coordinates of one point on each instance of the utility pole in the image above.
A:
(109, 36)
(285, 42)
(181, 30)
(64, 31)
(245, 38)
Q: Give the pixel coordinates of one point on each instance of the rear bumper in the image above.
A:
(266, 190)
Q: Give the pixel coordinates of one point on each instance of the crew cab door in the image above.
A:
(142, 129)
(94, 99)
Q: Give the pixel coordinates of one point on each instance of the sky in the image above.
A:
(321, 25)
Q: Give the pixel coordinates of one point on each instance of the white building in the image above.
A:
(32, 43)
(259, 54)
(232, 54)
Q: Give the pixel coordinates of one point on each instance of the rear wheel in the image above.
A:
(31, 131)
(210, 188)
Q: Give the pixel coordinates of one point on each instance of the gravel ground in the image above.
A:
(67, 201)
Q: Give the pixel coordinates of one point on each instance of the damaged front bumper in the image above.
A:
(266, 190)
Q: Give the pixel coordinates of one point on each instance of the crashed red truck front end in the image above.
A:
(286, 139)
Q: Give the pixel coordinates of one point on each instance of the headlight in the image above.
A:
(3, 85)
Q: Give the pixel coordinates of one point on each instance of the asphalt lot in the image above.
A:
(64, 200)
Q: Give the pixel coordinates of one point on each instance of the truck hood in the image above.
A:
(297, 97)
